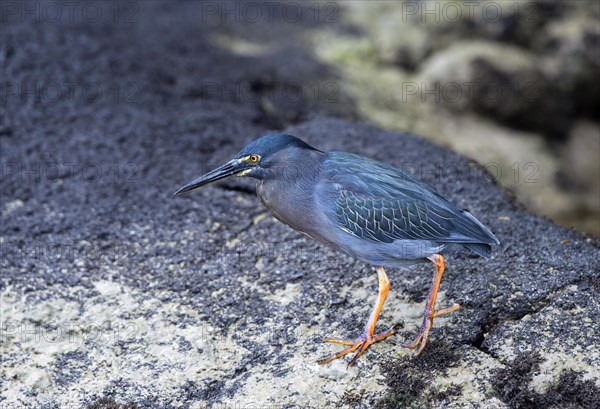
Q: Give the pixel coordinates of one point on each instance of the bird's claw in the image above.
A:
(361, 344)
(421, 339)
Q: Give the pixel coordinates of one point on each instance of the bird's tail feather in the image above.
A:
(487, 236)
(483, 250)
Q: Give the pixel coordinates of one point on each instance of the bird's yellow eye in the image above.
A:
(254, 158)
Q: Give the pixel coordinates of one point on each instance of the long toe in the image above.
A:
(353, 347)
(421, 340)
(361, 344)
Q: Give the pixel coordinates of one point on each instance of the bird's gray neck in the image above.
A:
(288, 190)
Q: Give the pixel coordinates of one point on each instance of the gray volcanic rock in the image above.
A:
(219, 303)
(113, 292)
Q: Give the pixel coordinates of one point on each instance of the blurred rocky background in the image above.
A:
(513, 85)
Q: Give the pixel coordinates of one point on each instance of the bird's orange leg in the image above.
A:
(367, 338)
(430, 312)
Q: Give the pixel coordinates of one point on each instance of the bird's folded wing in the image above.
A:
(379, 202)
(386, 220)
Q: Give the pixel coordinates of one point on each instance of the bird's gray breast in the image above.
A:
(292, 204)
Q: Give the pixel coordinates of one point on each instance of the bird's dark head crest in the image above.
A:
(270, 144)
(257, 160)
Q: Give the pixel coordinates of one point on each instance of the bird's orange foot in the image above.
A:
(421, 339)
(360, 344)
(430, 312)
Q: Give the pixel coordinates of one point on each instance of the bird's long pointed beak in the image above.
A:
(232, 168)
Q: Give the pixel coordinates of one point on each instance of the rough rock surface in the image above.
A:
(115, 294)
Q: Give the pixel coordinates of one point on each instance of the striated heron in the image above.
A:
(364, 208)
